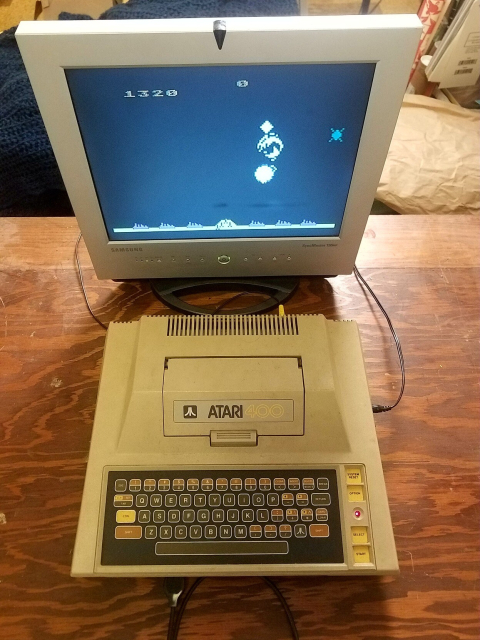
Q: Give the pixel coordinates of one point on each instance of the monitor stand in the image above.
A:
(169, 292)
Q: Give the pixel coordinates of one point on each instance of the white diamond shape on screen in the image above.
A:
(266, 126)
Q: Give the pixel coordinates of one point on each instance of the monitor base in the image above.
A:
(169, 292)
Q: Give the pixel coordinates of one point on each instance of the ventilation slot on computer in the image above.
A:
(194, 326)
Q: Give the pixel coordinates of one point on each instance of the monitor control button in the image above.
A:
(223, 259)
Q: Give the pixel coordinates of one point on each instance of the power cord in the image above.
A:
(104, 326)
(82, 284)
(381, 408)
(174, 587)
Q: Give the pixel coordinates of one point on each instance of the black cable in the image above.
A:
(286, 608)
(228, 300)
(171, 623)
(173, 588)
(381, 408)
(182, 607)
(198, 581)
(82, 284)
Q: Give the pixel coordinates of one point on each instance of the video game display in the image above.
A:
(222, 151)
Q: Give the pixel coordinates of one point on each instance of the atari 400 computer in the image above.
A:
(227, 148)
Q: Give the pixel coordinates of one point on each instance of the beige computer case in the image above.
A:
(312, 365)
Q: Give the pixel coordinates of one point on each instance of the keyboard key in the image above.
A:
(321, 515)
(210, 532)
(218, 515)
(141, 500)
(255, 531)
(200, 500)
(156, 500)
(236, 484)
(361, 554)
(294, 484)
(270, 530)
(150, 532)
(165, 532)
(215, 500)
(144, 516)
(124, 533)
(320, 499)
(265, 484)
(240, 531)
(164, 484)
(178, 484)
(222, 484)
(159, 516)
(185, 500)
(250, 484)
(302, 499)
(123, 501)
(222, 548)
(123, 515)
(195, 531)
(243, 500)
(232, 515)
(308, 484)
(258, 499)
(180, 532)
(319, 530)
(292, 515)
(193, 484)
(247, 515)
(306, 515)
(120, 485)
(203, 515)
(149, 485)
(207, 484)
(228, 500)
(188, 515)
(300, 530)
(174, 515)
(170, 500)
(322, 484)
(135, 485)
(285, 530)
(225, 531)
(273, 500)
(279, 484)
(262, 515)
(287, 499)
(355, 493)
(277, 515)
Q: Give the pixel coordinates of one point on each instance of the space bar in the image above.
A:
(221, 548)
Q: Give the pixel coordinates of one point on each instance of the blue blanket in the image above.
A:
(27, 165)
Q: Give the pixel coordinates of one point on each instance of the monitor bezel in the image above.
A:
(49, 47)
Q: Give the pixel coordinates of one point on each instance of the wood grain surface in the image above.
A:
(424, 269)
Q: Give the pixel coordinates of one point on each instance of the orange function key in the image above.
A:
(123, 500)
(128, 533)
(319, 530)
(149, 485)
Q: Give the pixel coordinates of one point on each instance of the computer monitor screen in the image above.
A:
(185, 160)
(222, 151)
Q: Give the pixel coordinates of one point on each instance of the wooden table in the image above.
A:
(425, 270)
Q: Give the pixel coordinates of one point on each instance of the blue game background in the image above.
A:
(192, 157)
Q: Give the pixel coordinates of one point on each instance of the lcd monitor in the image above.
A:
(259, 158)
